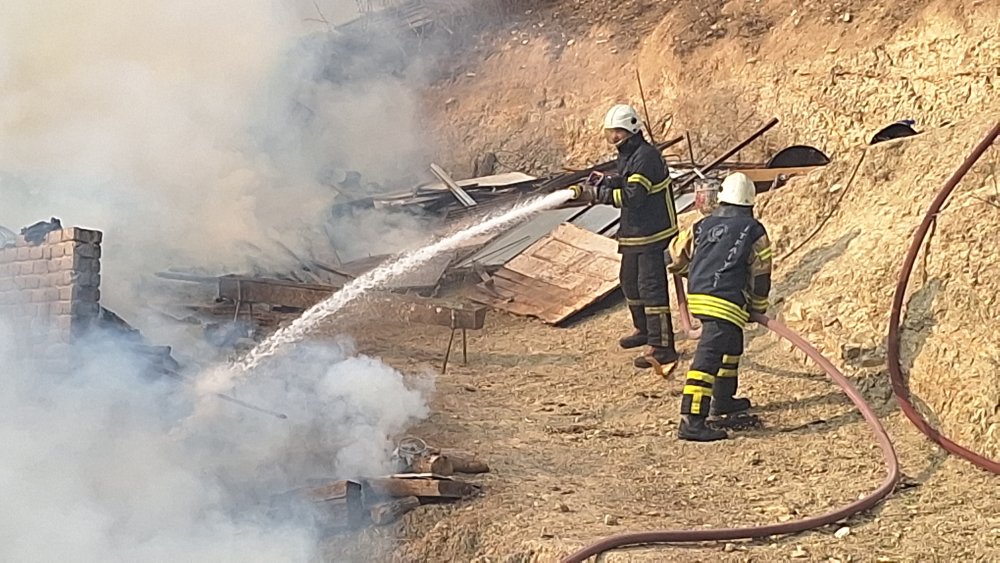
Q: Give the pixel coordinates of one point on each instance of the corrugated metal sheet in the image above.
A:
(508, 245)
(556, 277)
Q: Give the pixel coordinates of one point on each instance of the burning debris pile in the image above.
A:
(249, 306)
(427, 476)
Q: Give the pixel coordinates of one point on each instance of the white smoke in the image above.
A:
(194, 134)
(100, 464)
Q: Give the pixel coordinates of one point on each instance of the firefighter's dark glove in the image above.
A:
(612, 182)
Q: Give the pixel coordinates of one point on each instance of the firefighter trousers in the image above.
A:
(643, 278)
(717, 356)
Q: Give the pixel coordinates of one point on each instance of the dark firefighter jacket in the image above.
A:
(727, 259)
(642, 190)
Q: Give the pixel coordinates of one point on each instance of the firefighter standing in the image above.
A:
(727, 259)
(641, 188)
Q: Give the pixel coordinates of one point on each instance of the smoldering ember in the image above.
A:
(424, 280)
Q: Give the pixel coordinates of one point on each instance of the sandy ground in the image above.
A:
(583, 446)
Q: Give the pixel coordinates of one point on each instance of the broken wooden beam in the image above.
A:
(460, 194)
(388, 512)
(241, 289)
(421, 486)
(768, 175)
(726, 155)
(332, 505)
(566, 180)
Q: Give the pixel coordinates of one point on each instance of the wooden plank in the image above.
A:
(769, 174)
(332, 505)
(397, 487)
(273, 292)
(460, 194)
(555, 277)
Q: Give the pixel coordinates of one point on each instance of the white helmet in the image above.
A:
(623, 116)
(737, 189)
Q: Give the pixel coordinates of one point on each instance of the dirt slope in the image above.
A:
(838, 288)
(535, 90)
(583, 446)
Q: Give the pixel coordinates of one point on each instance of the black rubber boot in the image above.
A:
(634, 340)
(723, 401)
(662, 355)
(694, 429)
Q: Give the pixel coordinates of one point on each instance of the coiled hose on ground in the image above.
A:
(808, 523)
(899, 387)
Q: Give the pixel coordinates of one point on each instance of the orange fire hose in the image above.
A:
(899, 387)
(811, 522)
(881, 437)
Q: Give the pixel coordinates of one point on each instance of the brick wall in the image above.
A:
(52, 290)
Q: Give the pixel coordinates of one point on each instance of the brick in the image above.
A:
(87, 264)
(36, 252)
(82, 235)
(63, 323)
(7, 285)
(9, 254)
(21, 242)
(23, 253)
(87, 250)
(88, 294)
(31, 282)
(40, 267)
(4, 270)
(25, 269)
(51, 294)
(57, 308)
(85, 309)
(64, 263)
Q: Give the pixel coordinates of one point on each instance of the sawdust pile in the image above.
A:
(837, 288)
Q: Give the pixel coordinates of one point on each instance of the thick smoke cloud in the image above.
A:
(195, 134)
(100, 464)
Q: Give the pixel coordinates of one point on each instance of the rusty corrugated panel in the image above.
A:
(556, 277)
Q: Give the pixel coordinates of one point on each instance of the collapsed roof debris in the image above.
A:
(251, 304)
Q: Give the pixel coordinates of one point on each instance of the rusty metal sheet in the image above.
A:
(444, 313)
(556, 277)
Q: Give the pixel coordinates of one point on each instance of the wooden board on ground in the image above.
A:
(419, 485)
(769, 174)
(334, 504)
(558, 276)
